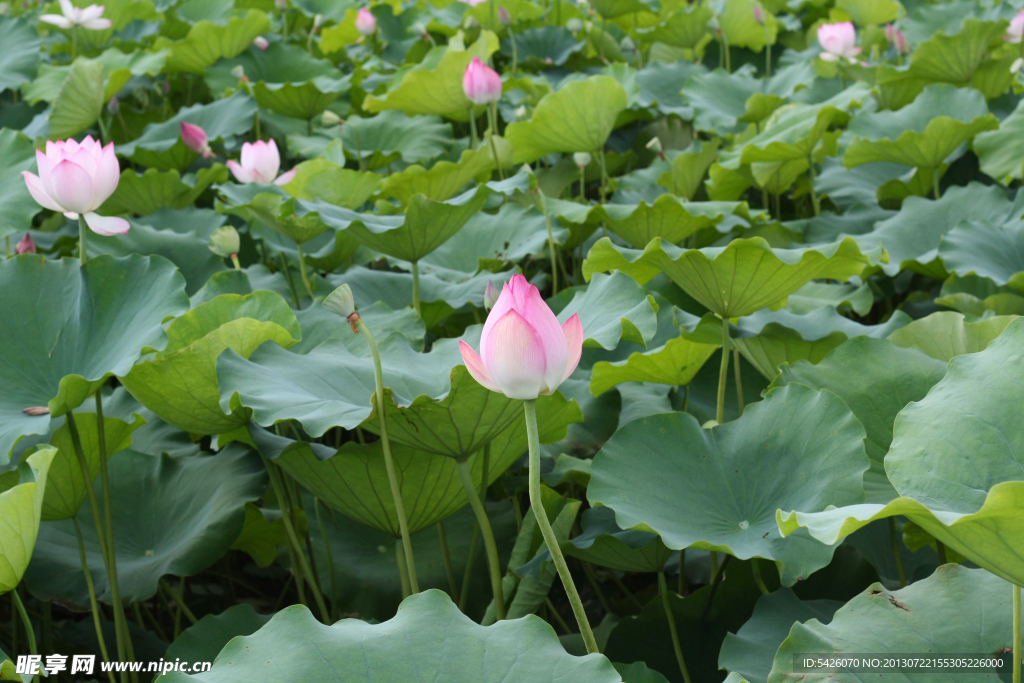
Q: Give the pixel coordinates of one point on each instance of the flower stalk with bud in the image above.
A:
(482, 86)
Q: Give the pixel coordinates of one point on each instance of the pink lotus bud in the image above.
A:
(260, 162)
(73, 17)
(26, 245)
(524, 352)
(260, 42)
(503, 16)
(898, 40)
(280, 5)
(759, 15)
(366, 23)
(490, 295)
(75, 178)
(1014, 32)
(839, 42)
(114, 104)
(194, 138)
(481, 83)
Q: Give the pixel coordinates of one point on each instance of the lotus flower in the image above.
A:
(259, 164)
(89, 17)
(261, 42)
(75, 179)
(759, 15)
(481, 83)
(898, 40)
(1015, 31)
(839, 42)
(366, 23)
(194, 138)
(474, 3)
(524, 352)
(26, 245)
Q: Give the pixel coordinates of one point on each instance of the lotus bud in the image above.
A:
(1014, 32)
(898, 40)
(224, 241)
(759, 15)
(260, 42)
(490, 296)
(654, 144)
(582, 159)
(281, 5)
(524, 351)
(481, 83)
(366, 23)
(342, 303)
(575, 25)
(839, 42)
(470, 22)
(503, 16)
(714, 25)
(194, 138)
(329, 118)
(318, 21)
(238, 71)
(521, 113)
(26, 245)
(114, 105)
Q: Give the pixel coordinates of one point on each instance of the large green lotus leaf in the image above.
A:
(445, 179)
(944, 335)
(320, 325)
(603, 543)
(815, 295)
(180, 383)
(876, 380)
(22, 507)
(202, 642)
(427, 224)
(956, 58)
(392, 134)
(80, 100)
(675, 362)
(160, 145)
(148, 192)
(871, 12)
(438, 643)
(1000, 151)
(742, 29)
(16, 204)
(985, 249)
(689, 168)
(973, 296)
(207, 42)
(354, 481)
(912, 236)
(577, 118)
(21, 52)
(667, 217)
(612, 308)
(738, 279)
(95, 322)
(922, 134)
(326, 180)
(65, 487)
(682, 28)
(610, 9)
(434, 86)
(955, 610)
(540, 46)
(286, 79)
(751, 650)
(715, 489)
(273, 207)
(955, 460)
(118, 69)
(171, 515)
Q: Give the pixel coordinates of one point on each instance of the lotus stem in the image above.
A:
(330, 556)
(604, 175)
(494, 15)
(235, 263)
(681, 580)
(768, 51)
(290, 279)
(894, 540)
(302, 271)
(472, 128)
(556, 616)
(446, 555)
(723, 372)
(74, 42)
(179, 600)
(493, 562)
(739, 379)
(755, 568)
(663, 589)
(492, 119)
(940, 549)
(389, 463)
(403, 569)
(814, 194)
(515, 51)
(29, 631)
(467, 576)
(935, 183)
(82, 231)
(1017, 651)
(7, 245)
(94, 606)
(551, 242)
(536, 503)
(415, 290)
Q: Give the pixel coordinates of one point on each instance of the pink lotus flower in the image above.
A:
(839, 42)
(88, 17)
(75, 179)
(474, 3)
(194, 138)
(261, 42)
(1015, 31)
(366, 23)
(481, 83)
(524, 352)
(260, 163)
(26, 245)
(898, 40)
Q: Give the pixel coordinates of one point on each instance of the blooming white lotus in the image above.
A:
(90, 17)
(260, 162)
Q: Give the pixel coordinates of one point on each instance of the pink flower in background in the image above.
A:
(490, 295)
(194, 138)
(759, 15)
(1015, 31)
(839, 42)
(75, 179)
(524, 352)
(474, 3)
(89, 17)
(260, 162)
(261, 42)
(898, 40)
(481, 83)
(504, 17)
(366, 23)
(25, 245)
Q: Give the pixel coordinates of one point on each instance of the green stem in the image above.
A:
(446, 554)
(403, 569)
(940, 548)
(179, 600)
(492, 120)
(713, 555)
(472, 128)
(935, 183)
(681, 581)
(591, 575)
(1017, 652)
(290, 279)
(29, 631)
(493, 562)
(279, 493)
(82, 231)
(359, 149)
(494, 15)
(604, 176)
(728, 59)
(556, 616)
(896, 552)
(723, 372)
(533, 437)
(551, 242)
(74, 42)
(768, 49)
(302, 271)
(330, 556)
(416, 288)
(389, 463)
(467, 575)
(515, 51)
(583, 194)
(625, 591)
(739, 379)
(92, 592)
(814, 195)
(7, 245)
(234, 261)
(755, 568)
(663, 589)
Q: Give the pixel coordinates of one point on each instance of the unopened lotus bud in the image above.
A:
(318, 21)
(341, 302)
(521, 113)
(366, 23)
(575, 25)
(627, 45)
(224, 241)
(37, 410)
(503, 16)
(194, 138)
(714, 25)
(113, 105)
(281, 5)
(470, 22)
(329, 118)
(238, 71)
(582, 159)
(491, 295)
(261, 42)
(26, 245)
(759, 15)
(654, 144)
